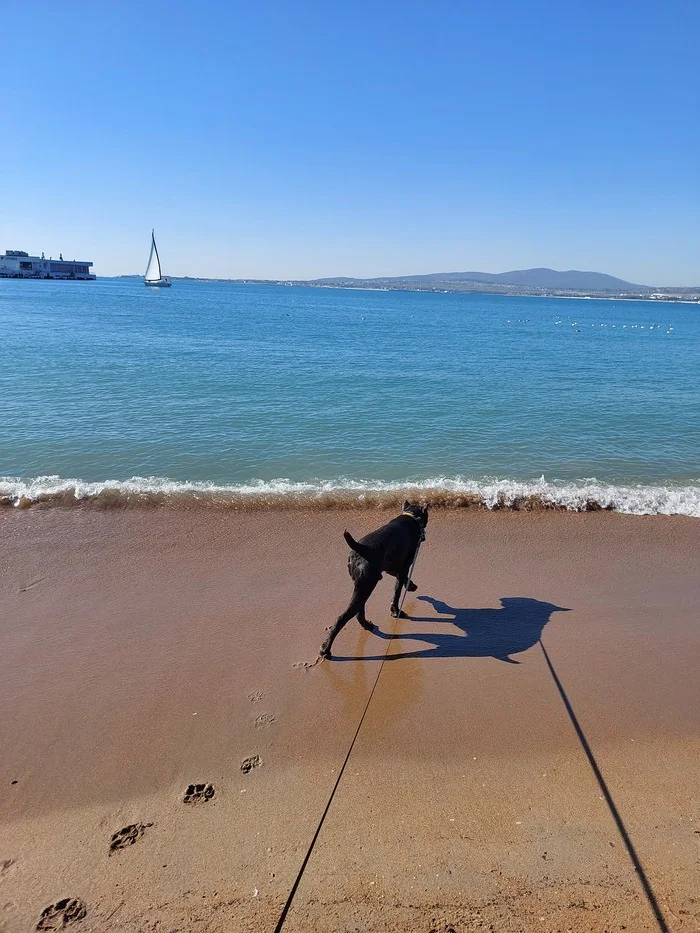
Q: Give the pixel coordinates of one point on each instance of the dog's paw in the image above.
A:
(367, 626)
(412, 587)
(324, 653)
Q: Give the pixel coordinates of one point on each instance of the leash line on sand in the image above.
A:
(290, 898)
(621, 828)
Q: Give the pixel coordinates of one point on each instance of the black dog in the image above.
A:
(390, 549)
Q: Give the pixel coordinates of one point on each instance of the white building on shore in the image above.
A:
(15, 264)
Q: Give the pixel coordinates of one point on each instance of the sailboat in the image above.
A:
(153, 274)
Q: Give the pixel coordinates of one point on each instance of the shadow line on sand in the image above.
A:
(499, 633)
(621, 828)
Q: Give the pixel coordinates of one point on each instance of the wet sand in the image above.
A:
(497, 781)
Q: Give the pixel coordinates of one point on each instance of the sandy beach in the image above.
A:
(528, 759)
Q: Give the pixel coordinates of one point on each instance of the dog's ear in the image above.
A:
(406, 504)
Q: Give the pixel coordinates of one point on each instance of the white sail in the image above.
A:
(153, 273)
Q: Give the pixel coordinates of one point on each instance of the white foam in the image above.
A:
(494, 493)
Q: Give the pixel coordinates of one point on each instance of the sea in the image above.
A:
(268, 396)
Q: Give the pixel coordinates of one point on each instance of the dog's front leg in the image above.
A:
(400, 580)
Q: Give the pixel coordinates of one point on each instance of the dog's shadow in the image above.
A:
(485, 633)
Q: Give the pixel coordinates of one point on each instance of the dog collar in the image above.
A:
(414, 517)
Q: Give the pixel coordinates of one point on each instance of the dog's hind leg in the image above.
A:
(356, 608)
(363, 620)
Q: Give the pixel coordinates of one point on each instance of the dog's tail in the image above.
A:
(358, 548)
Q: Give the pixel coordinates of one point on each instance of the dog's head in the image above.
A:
(419, 512)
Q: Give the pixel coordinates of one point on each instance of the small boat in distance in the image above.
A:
(153, 274)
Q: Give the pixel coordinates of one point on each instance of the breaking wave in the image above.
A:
(450, 493)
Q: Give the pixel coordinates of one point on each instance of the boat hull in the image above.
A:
(159, 283)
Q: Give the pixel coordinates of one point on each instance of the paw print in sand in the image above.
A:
(62, 914)
(198, 793)
(249, 763)
(128, 836)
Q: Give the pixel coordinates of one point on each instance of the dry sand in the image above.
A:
(145, 650)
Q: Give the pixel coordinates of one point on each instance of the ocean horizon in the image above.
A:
(270, 396)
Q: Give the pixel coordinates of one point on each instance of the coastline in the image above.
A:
(149, 649)
(442, 492)
(444, 288)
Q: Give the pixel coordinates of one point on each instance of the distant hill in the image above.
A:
(527, 278)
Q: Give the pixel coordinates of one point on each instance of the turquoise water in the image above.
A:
(291, 389)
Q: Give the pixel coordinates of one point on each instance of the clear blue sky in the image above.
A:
(302, 139)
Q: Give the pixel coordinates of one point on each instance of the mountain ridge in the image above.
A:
(540, 277)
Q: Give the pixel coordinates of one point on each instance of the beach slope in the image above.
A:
(528, 738)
